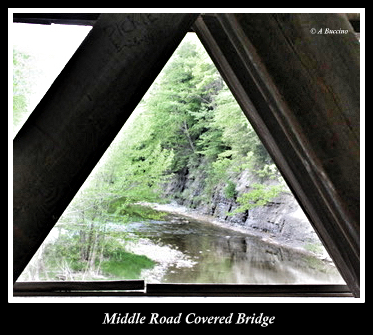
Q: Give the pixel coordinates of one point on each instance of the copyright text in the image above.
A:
(328, 31)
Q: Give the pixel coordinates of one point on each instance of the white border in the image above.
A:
(12, 299)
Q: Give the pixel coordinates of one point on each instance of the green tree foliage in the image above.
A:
(230, 190)
(133, 171)
(21, 84)
(179, 106)
(259, 196)
(195, 116)
(189, 124)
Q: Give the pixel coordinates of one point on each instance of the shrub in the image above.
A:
(230, 190)
(259, 196)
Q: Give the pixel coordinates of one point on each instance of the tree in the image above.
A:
(189, 125)
(21, 85)
(192, 113)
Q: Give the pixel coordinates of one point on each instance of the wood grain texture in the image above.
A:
(301, 93)
(80, 115)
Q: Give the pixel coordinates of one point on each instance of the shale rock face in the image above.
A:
(281, 218)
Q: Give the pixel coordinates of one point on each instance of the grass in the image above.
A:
(135, 212)
(313, 247)
(126, 265)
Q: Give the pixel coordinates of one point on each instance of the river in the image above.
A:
(193, 251)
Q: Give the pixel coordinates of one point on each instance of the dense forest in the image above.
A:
(188, 126)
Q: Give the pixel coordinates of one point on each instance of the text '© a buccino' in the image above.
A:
(190, 318)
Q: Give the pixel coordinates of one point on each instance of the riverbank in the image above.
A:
(307, 249)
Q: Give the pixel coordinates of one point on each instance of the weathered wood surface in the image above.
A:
(56, 286)
(80, 115)
(136, 288)
(89, 19)
(248, 290)
(84, 19)
(301, 92)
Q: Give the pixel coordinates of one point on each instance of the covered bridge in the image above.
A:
(298, 85)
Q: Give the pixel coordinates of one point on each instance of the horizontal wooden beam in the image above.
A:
(55, 286)
(80, 19)
(128, 288)
(89, 19)
(248, 290)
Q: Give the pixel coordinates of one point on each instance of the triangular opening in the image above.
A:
(189, 148)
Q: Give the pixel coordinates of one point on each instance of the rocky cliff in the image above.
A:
(281, 219)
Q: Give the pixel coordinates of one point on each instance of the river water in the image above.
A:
(191, 251)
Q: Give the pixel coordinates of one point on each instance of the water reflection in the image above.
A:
(189, 251)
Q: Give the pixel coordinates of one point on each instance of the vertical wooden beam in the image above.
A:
(300, 90)
(80, 115)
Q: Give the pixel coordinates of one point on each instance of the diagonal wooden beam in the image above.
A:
(80, 115)
(301, 92)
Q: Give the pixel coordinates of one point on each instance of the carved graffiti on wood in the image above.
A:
(128, 32)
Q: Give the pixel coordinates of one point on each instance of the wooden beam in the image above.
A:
(243, 290)
(134, 288)
(96, 285)
(301, 92)
(80, 19)
(89, 19)
(80, 115)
